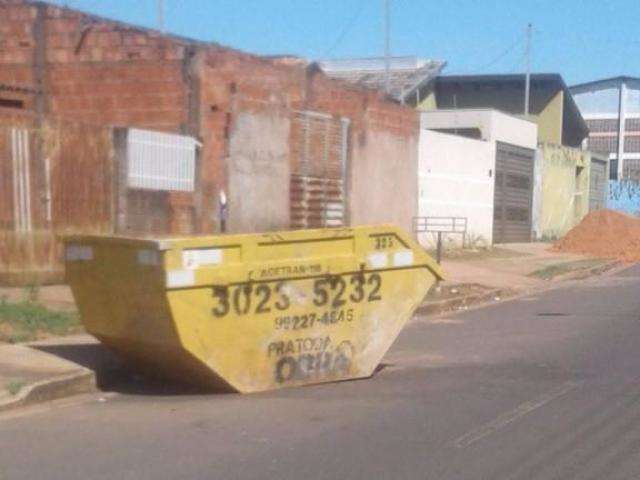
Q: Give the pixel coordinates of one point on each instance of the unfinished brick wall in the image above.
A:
(93, 71)
(97, 72)
(234, 82)
(104, 72)
(16, 43)
(70, 192)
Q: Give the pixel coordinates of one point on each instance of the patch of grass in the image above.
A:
(28, 320)
(14, 386)
(32, 292)
(552, 271)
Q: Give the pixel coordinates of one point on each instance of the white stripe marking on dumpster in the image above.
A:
(181, 278)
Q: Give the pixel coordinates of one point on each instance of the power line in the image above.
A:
(490, 63)
(499, 57)
(354, 18)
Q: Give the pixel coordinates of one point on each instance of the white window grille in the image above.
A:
(161, 161)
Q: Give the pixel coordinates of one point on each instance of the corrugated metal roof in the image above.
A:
(619, 79)
(406, 74)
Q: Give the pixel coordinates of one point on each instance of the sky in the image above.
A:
(582, 40)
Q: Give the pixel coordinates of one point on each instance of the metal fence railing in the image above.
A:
(440, 226)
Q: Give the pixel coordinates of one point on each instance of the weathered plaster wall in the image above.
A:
(258, 173)
(536, 200)
(384, 179)
(565, 189)
(456, 180)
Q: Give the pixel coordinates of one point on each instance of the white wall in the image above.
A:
(493, 125)
(452, 119)
(456, 178)
(456, 174)
(516, 131)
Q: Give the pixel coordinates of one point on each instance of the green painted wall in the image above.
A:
(565, 189)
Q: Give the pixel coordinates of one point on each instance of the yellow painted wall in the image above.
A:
(565, 189)
(550, 120)
(429, 103)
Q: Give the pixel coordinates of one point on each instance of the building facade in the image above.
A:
(611, 108)
(551, 105)
(486, 178)
(280, 144)
(561, 170)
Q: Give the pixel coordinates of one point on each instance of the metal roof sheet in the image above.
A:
(406, 74)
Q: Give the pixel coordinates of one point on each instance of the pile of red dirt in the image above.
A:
(604, 234)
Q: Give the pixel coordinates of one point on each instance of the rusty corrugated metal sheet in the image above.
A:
(54, 180)
(319, 146)
(316, 202)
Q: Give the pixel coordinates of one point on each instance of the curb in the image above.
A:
(442, 306)
(478, 299)
(610, 268)
(52, 389)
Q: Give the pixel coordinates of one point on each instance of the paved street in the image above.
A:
(541, 387)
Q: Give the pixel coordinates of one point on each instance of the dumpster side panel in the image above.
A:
(119, 290)
(303, 309)
(252, 312)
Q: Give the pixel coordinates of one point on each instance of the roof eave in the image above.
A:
(621, 78)
(428, 77)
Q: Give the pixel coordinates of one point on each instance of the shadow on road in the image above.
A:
(112, 375)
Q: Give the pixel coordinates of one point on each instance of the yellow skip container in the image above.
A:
(251, 312)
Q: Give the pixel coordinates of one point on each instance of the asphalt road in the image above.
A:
(542, 387)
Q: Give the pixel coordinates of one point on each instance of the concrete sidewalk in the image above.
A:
(36, 372)
(473, 278)
(514, 265)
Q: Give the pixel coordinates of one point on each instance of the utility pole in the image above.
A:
(160, 6)
(527, 85)
(387, 47)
